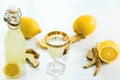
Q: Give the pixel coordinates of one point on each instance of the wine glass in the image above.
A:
(56, 42)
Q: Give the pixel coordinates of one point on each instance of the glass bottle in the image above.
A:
(15, 44)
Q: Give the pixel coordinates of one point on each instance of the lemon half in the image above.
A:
(29, 27)
(108, 51)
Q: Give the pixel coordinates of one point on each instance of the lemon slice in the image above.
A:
(108, 51)
(43, 44)
(12, 70)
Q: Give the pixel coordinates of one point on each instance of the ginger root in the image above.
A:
(89, 55)
(94, 51)
(31, 51)
(93, 56)
(32, 57)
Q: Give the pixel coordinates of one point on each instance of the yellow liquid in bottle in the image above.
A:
(15, 47)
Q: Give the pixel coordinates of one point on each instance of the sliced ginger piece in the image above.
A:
(98, 66)
(31, 51)
(32, 57)
(90, 55)
(96, 60)
(32, 60)
(93, 60)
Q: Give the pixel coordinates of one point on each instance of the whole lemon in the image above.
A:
(85, 25)
(29, 27)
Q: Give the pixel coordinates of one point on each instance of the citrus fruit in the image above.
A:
(43, 44)
(29, 27)
(85, 25)
(108, 51)
(12, 70)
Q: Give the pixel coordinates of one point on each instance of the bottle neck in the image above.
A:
(12, 17)
(13, 27)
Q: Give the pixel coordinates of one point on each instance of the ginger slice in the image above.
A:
(73, 39)
(32, 57)
(90, 55)
(93, 60)
(98, 66)
(32, 60)
(31, 51)
(98, 62)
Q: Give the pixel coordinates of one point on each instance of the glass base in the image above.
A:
(55, 68)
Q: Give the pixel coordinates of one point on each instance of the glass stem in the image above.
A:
(56, 60)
